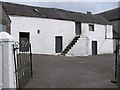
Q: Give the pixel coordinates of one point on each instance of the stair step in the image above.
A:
(66, 49)
(69, 47)
(65, 52)
(75, 38)
(74, 41)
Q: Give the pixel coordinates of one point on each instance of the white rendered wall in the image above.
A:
(0, 66)
(102, 34)
(43, 43)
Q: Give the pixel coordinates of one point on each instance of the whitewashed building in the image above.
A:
(55, 31)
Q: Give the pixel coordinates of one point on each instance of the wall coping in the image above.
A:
(4, 37)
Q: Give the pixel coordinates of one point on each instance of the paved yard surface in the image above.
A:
(72, 72)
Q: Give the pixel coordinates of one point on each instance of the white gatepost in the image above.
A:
(0, 65)
(7, 70)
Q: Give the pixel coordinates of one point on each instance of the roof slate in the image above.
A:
(114, 17)
(111, 14)
(52, 13)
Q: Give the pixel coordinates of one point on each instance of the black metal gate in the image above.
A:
(23, 64)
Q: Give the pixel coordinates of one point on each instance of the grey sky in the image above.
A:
(94, 7)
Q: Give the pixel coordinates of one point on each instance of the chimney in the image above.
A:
(88, 12)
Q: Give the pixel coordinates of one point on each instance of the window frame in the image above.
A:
(91, 26)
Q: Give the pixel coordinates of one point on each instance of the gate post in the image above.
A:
(8, 71)
(0, 66)
(118, 65)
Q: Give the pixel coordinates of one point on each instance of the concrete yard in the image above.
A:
(72, 72)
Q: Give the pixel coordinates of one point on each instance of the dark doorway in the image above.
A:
(24, 41)
(94, 47)
(77, 28)
(58, 44)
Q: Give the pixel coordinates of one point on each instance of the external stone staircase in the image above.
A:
(72, 43)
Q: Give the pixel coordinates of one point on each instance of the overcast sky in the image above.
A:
(78, 6)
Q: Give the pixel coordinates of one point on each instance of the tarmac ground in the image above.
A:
(72, 72)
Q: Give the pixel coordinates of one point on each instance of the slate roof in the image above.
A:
(114, 17)
(52, 13)
(111, 14)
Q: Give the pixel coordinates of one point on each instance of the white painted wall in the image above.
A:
(0, 66)
(102, 34)
(43, 43)
(99, 34)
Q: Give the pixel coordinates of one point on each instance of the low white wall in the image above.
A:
(80, 48)
(43, 43)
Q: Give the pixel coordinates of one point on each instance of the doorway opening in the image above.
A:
(58, 44)
(24, 41)
(94, 47)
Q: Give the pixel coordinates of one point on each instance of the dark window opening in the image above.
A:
(38, 31)
(24, 41)
(91, 27)
(78, 28)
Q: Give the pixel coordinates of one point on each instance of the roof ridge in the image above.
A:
(41, 7)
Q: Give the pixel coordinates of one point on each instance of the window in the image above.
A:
(38, 31)
(91, 27)
(78, 28)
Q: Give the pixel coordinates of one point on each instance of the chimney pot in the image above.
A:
(88, 12)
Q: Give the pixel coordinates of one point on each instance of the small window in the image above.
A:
(91, 27)
(38, 31)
